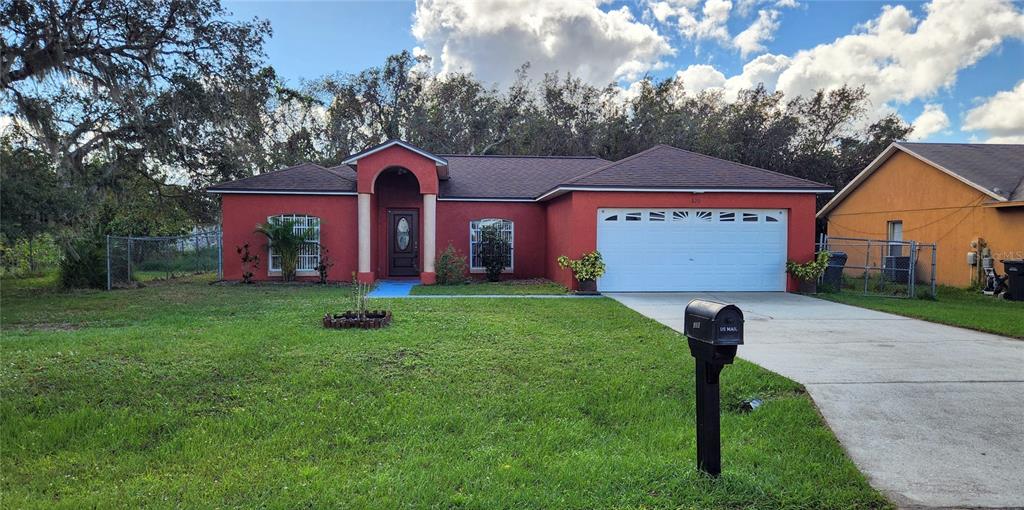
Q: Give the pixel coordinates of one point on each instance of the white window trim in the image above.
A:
(272, 271)
(511, 246)
(894, 247)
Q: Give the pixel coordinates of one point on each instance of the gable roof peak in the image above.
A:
(997, 170)
(354, 158)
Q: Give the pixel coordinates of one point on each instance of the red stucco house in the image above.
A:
(665, 219)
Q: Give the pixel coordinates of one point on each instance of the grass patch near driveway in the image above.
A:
(191, 395)
(503, 288)
(955, 307)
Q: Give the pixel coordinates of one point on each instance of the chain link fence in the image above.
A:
(879, 267)
(132, 261)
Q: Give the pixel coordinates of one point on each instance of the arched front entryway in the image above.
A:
(397, 212)
(399, 208)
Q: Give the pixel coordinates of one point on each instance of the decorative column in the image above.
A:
(365, 275)
(428, 276)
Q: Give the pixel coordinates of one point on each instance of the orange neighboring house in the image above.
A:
(965, 198)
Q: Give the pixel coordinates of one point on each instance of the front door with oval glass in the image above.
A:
(403, 243)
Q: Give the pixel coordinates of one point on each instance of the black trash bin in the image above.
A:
(1015, 284)
(833, 277)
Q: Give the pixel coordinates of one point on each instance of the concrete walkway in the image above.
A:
(393, 288)
(495, 296)
(932, 414)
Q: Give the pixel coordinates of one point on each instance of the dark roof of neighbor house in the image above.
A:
(664, 166)
(994, 169)
(537, 177)
(999, 168)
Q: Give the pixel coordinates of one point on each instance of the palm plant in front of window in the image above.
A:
(287, 242)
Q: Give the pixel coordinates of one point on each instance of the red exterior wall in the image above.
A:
(241, 214)
(530, 231)
(801, 208)
(566, 225)
(560, 238)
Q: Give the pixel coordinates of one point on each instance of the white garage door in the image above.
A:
(692, 249)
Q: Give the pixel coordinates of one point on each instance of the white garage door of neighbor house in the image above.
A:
(661, 250)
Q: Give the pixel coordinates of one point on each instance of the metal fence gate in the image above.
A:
(879, 267)
(135, 260)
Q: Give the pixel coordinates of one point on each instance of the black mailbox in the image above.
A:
(714, 323)
(714, 331)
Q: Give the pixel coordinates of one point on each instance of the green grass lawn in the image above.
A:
(953, 306)
(193, 395)
(156, 276)
(505, 288)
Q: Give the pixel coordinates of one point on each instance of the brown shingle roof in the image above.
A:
(531, 177)
(524, 177)
(307, 177)
(663, 166)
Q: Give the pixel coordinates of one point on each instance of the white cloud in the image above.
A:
(932, 120)
(899, 59)
(764, 69)
(896, 57)
(1001, 116)
(701, 77)
(491, 38)
(745, 7)
(6, 124)
(762, 29)
(665, 9)
(712, 23)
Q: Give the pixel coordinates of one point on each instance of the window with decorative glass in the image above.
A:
(505, 228)
(309, 254)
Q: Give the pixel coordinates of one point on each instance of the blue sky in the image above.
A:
(969, 87)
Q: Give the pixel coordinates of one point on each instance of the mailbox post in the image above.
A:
(713, 331)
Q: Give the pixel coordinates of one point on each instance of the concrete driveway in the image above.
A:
(932, 414)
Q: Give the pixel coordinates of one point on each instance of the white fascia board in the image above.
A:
(457, 199)
(868, 170)
(564, 189)
(261, 192)
(400, 143)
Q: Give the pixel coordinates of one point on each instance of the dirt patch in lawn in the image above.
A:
(398, 363)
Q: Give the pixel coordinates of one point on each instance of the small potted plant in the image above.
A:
(360, 316)
(808, 273)
(587, 269)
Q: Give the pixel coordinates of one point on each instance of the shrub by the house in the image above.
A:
(286, 243)
(493, 248)
(250, 262)
(450, 267)
(587, 268)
